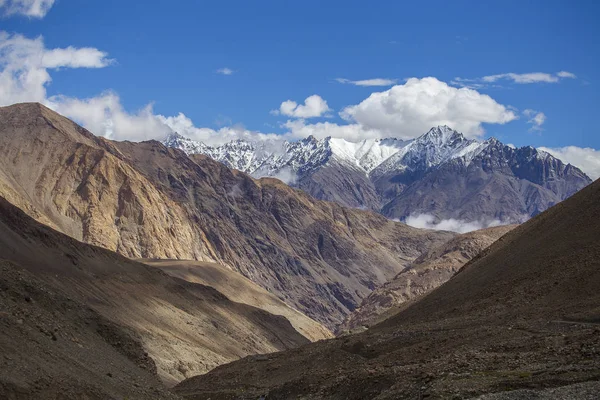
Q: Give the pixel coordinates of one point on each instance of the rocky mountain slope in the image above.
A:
(241, 290)
(522, 315)
(441, 173)
(175, 327)
(55, 347)
(433, 268)
(144, 200)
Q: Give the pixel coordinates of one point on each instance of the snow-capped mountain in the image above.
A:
(440, 173)
(261, 159)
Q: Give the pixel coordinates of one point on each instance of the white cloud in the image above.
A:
(184, 126)
(286, 175)
(314, 106)
(427, 221)
(536, 119)
(526, 78)
(225, 71)
(585, 158)
(351, 132)
(532, 77)
(71, 57)
(369, 82)
(104, 115)
(28, 8)
(24, 66)
(409, 110)
(566, 74)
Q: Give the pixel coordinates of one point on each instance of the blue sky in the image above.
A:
(168, 53)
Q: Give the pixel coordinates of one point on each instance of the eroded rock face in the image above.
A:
(145, 200)
(429, 271)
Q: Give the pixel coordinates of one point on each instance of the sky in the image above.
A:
(525, 72)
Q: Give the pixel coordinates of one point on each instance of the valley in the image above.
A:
(166, 268)
(318, 200)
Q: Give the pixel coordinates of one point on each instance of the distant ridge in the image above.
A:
(441, 173)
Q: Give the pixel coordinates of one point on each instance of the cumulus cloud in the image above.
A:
(585, 158)
(369, 82)
(409, 110)
(104, 115)
(28, 8)
(25, 65)
(314, 106)
(535, 118)
(428, 221)
(225, 71)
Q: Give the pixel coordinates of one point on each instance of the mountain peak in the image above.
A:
(440, 135)
(310, 139)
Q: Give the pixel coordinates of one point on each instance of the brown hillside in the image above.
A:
(185, 328)
(143, 200)
(433, 268)
(523, 314)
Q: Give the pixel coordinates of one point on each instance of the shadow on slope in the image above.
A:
(186, 328)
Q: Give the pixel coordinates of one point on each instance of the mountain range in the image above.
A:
(144, 200)
(523, 314)
(440, 175)
(128, 268)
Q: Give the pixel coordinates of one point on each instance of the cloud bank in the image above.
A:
(25, 67)
(427, 221)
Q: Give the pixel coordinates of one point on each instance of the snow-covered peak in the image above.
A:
(437, 146)
(366, 154)
(440, 136)
(188, 145)
(373, 157)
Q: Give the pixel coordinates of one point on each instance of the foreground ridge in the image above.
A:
(523, 314)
